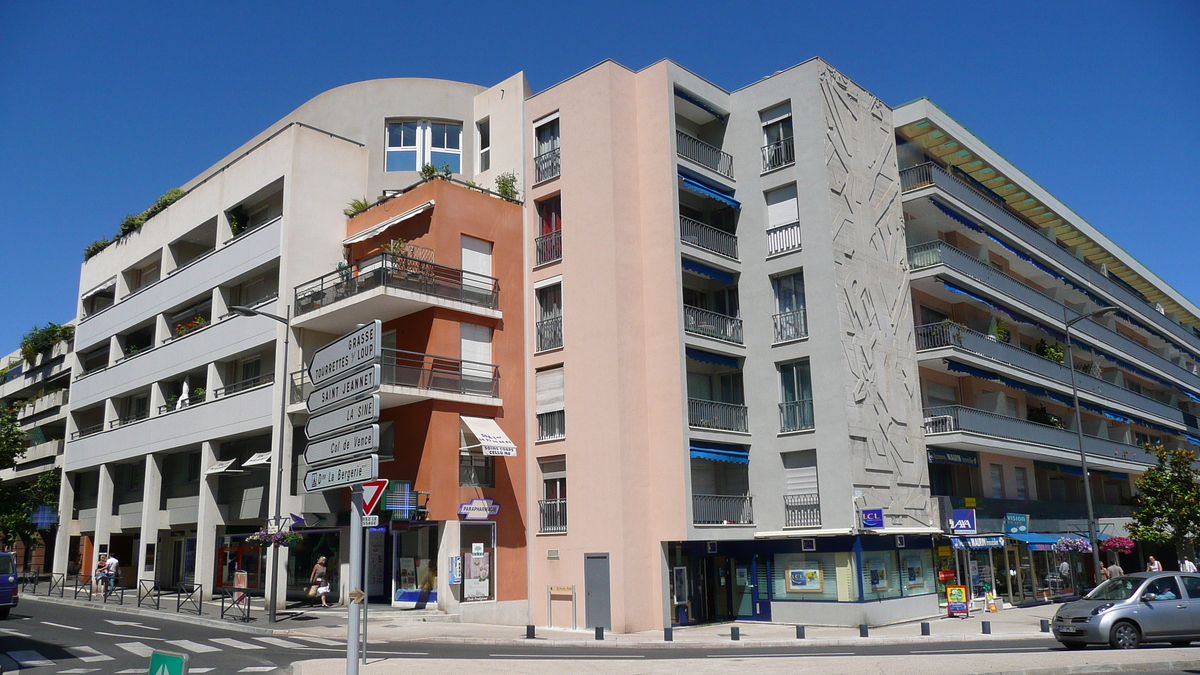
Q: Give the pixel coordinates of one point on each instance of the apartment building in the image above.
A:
(38, 390)
(172, 458)
(999, 266)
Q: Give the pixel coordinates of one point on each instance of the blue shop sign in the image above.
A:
(963, 521)
(1016, 523)
(872, 518)
(994, 541)
(947, 457)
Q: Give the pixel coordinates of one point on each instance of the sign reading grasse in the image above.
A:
(346, 353)
(351, 386)
(344, 418)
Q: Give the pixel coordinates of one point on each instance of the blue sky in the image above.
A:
(101, 111)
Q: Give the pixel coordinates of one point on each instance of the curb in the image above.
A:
(1180, 666)
(159, 614)
(725, 644)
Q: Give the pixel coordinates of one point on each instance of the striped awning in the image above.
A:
(720, 452)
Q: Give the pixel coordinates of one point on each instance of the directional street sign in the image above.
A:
(372, 491)
(346, 353)
(344, 418)
(168, 663)
(343, 447)
(357, 596)
(370, 521)
(360, 470)
(352, 386)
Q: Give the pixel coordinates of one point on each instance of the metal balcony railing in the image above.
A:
(707, 237)
(802, 510)
(549, 334)
(711, 324)
(399, 272)
(439, 373)
(129, 419)
(722, 510)
(796, 415)
(695, 150)
(553, 514)
(549, 247)
(552, 425)
(791, 325)
(956, 418)
(87, 431)
(299, 387)
(780, 153)
(783, 238)
(547, 165)
(716, 415)
(238, 387)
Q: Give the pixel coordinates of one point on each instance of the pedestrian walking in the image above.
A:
(100, 573)
(1153, 565)
(320, 581)
(1188, 565)
(1114, 570)
(111, 572)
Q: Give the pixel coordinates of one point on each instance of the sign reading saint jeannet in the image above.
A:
(340, 475)
(347, 388)
(347, 353)
(343, 447)
(345, 418)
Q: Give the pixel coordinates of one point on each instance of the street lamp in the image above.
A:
(1087, 482)
(277, 517)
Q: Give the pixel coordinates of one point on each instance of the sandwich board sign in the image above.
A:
(168, 663)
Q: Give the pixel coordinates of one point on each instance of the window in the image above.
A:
(484, 128)
(796, 410)
(1022, 482)
(553, 505)
(802, 501)
(997, 475)
(791, 320)
(551, 416)
(413, 144)
(475, 469)
(475, 345)
(938, 395)
(929, 316)
(549, 321)
(778, 148)
(549, 243)
(546, 161)
(193, 467)
(783, 220)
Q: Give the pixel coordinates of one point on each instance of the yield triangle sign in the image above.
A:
(372, 491)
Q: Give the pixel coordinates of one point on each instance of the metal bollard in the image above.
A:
(668, 634)
(799, 632)
(599, 632)
(1045, 625)
(987, 627)
(863, 630)
(735, 633)
(529, 632)
(924, 628)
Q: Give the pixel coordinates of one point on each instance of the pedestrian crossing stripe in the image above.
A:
(168, 663)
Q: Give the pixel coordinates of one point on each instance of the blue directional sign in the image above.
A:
(872, 518)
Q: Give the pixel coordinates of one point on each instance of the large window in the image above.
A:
(551, 416)
(552, 507)
(546, 161)
(549, 317)
(1022, 482)
(549, 242)
(485, 144)
(415, 143)
(791, 318)
(796, 407)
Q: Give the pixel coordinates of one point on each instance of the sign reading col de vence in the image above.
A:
(343, 447)
(350, 387)
(344, 418)
(357, 471)
(347, 353)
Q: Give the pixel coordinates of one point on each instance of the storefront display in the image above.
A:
(477, 542)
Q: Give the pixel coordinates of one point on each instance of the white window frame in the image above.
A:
(424, 142)
(485, 151)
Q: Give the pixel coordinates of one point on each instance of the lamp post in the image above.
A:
(276, 518)
(1087, 481)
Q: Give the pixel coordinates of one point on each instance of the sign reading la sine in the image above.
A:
(340, 475)
(343, 447)
(347, 353)
(352, 386)
(343, 418)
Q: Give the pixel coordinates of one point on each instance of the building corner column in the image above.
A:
(66, 519)
(151, 518)
(208, 517)
(104, 510)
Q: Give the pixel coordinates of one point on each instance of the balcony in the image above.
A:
(957, 426)
(549, 247)
(712, 325)
(549, 334)
(716, 415)
(929, 174)
(953, 336)
(129, 419)
(791, 326)
(408, 377)
(87, 431)
(779, 154)
(43, 403)
(553, 514)
(722, 510)
(707, 237)
(996, 509)
(796, 416)
(547, 165)
(783, 239)
(389, 286)
(802, 510)
(244, 385)
(697, 151)
(552, 425)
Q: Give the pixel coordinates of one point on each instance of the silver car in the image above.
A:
(1127, 611)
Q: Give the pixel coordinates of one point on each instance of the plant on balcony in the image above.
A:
(506, 185)
(1167, 506)
(1054, 352)
(397, 247)
(356, 207)
(131, 350)
(133, 222)
(430, 172)
(195, 323)
(1073, 545)
(94, 248)
(197, 395)
(1043, 416)
(343, 271)
(1119, 544)
(1000, 330)
(279, 538)
(41, 340)
(236, 226)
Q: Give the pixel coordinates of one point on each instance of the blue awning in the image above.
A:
(956, 216)
(710, 192)
(706, 271)
(700, 103)
(720, 452)
(989, 541)
(710, 358)
(1035, 542)
(1192, 439)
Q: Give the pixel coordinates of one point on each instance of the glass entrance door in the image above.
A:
(743, 590)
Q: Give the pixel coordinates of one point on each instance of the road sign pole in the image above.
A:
(356, 565)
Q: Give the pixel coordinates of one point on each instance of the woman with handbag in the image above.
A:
(319, 581)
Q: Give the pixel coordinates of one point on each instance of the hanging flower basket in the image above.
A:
(280, 538)
(1121, 544)
(1073, 545)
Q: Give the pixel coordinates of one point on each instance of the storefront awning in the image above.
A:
(111, 283)
(706, 191)
(711, 359)
(1035, 542)
(720, 452)
(706, 271)
(988, 541)
(376, 230)
(798, 534)
(258, 459)
(222, 467)
(491, 438)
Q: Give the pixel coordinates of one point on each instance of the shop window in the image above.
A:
(880, 575)
(478, 547)
(917, 574)
(811, 576)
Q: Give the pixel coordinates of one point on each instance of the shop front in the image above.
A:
(314, 544)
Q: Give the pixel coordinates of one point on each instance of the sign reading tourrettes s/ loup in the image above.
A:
(347, 353)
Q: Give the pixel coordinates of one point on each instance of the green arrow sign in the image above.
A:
(168, 663)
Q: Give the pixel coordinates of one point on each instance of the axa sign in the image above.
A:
(962, 521)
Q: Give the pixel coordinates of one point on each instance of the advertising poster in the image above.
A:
(681, 585)
(476, 577)
(804, 577)
(877, 573)
(915, 572)
(956, 601)
(407, 580)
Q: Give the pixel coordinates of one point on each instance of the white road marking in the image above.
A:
(17, 633)
(195, 647)
(566, 656)
(135, 637)
(257, 669)
(1014, 650)
(131, 670)
(321, 641)
(136, 648)
(286, 644)
(236, 644)
(759, 656)
(59, 625)
(30, 659)
(200, 670)
(130, 623)
(88, 654)
(80, 670)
